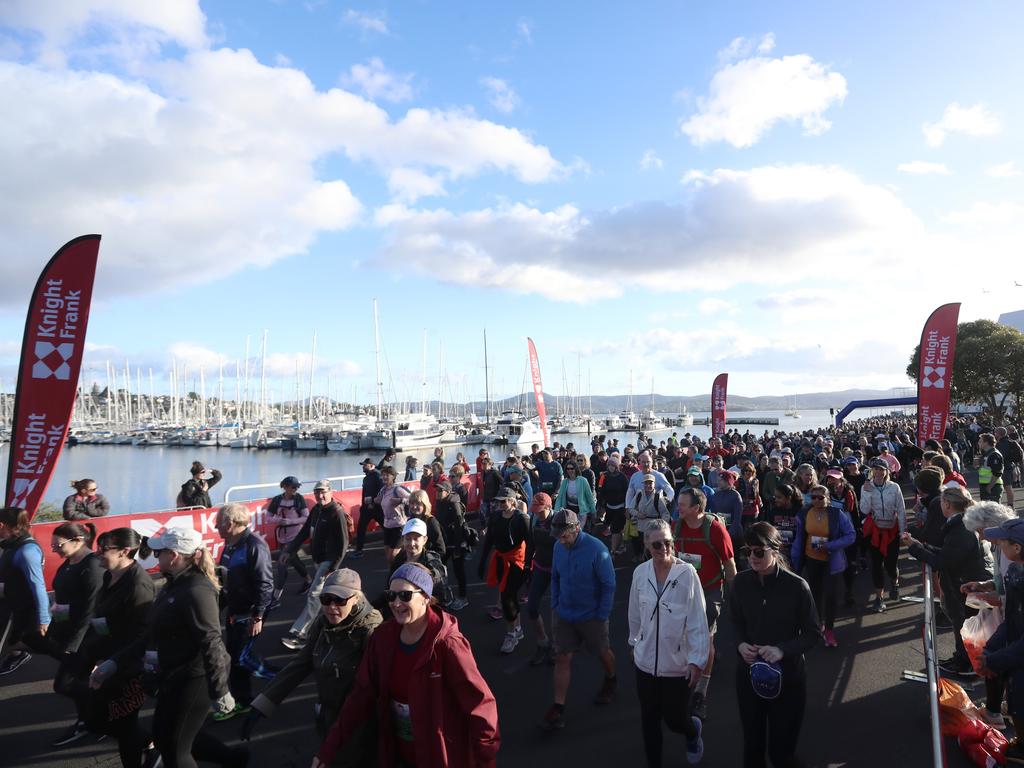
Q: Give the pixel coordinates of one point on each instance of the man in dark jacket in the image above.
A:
(368, 510)
(327, 525)
(249, 587)
(958, 559)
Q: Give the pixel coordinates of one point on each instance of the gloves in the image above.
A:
(224, 704)
(250, 722)
(101, 673)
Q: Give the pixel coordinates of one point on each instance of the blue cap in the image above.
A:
(850, 460)
(1011, 530)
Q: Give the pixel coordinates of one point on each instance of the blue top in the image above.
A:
(728, 503)
(582, 580)
(29, 560)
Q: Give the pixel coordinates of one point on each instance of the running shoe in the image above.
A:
(607, 692)
(894, 594)
(510, 642)
(240, 709)
(554, 718)
(294, 643)
(458, 604)
(74, 733)
(495, 612)
(699, 705)
(541, 655)
(355, 554)
(13, 661)
(879, 605)
(695, 746)
(830, 639)
(956, 665)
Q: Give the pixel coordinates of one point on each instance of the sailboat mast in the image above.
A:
(376, 343)
(263, 378)
(487, 383)
(423, 381)
(312, 368)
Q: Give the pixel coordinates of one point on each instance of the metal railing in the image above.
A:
(931, 674)
(343, 479)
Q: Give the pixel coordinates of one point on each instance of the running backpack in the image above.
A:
(705, 530)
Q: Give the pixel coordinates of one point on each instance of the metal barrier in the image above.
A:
(256, 486)
(931, 673)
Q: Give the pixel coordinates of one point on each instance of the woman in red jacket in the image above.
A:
(419, 678)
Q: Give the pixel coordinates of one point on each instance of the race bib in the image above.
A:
(819, 542)
(60, 612)
(99, 625)
(693, 560)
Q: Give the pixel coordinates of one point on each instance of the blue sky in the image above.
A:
(668, 189)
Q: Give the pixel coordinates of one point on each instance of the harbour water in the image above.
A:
(137, 479)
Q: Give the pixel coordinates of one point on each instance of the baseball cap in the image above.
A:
(1012, 530)
(563, 519)
(695, 471)
(882, 463)
(648, 478)
(343, 582)
(291, 482)
(322, 485)
(540, 500)
(505, 493)
(850, 460)
(515, 469)
(415, 526)
(728, 475)
(366, 461)
(834, 473)
(185, 541)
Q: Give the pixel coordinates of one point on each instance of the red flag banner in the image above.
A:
(538, 391)
(718, 398)
(51, 357)
(935, 372)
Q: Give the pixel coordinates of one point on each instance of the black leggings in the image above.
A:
(771, 726)
(281, 569)
(459, 566)
(890, 559)
(366, 514)
(510, 595)
(181, 708)
(662, 699)
(823, 589)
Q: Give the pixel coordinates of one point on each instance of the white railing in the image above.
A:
(345, 480)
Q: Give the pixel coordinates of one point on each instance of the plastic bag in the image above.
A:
(976, 632)
(956, 710)
(981, 756)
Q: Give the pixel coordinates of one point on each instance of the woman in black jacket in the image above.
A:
(121, 619)
(776, 623)
(76, 586)
(183, 654)
(196, 491)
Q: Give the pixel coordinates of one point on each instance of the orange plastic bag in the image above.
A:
(956, 710)
(976, 632)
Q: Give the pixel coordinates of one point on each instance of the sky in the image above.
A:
(655, 192)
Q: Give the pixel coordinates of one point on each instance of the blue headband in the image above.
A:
(415, 575)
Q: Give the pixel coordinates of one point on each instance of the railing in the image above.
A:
(257, 486)
(931, 673)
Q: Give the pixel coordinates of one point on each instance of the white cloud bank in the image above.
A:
(923, 168)
(747, 97)
(977, 120)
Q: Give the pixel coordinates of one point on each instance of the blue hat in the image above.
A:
(415, 575)
(1011, 530)
(850, 460)
(766, 679)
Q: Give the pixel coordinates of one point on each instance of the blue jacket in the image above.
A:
(840, 535)
(249, 581)
(728, 504)
(1004, 652)
(582, 580)
(550, 474)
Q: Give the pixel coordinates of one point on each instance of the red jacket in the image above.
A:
(454, 714)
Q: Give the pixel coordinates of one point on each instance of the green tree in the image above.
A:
(988, 368)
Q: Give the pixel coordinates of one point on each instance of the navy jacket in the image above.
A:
(249, 581)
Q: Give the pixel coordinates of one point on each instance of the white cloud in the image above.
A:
(984, 213)
(210, 163)
(767, 44)
(797, 299)
(923, 168)
(970, 121)
(1007, 170)
(374, 80)
(714, 305)
(279, 364)
(408, 185)
(500, 94)
(748, 97)
(742, 47)
(367, 22)
(524, 29)
(650, 161)
(766, 224)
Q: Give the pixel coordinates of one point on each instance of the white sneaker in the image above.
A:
(510, 642)
(518, 631)
(458, 604)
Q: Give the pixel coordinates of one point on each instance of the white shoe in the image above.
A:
(510, 642)
(518, 631)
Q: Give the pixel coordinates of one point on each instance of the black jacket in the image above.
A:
(249, 577)
(332, 654)
(372, 483)
(451, 516)
(778, 611)
(958, 559)
(74, 509)
(184, 629)
(328, 527)
(124, 606)
(76, 585)
(193, 494)
(611, 489)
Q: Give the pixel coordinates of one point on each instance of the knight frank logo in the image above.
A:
(52, 360)
(22, 489)
(934, 377)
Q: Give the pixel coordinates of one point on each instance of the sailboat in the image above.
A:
(792, 412)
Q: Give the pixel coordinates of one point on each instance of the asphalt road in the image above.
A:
(859, 711)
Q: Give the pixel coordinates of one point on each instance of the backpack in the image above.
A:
(705, 531)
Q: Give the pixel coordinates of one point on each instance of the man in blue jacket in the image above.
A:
(550, 473)
(582, 592)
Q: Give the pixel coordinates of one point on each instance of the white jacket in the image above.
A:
(669, 633)
(884, 505)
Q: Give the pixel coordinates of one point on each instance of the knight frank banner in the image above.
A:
(938, 343)
(51, 356)
(718, 398)
(538, 391)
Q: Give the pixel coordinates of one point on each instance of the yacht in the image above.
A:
(681, 419)
(514, 428)
(613, 423)
(793, 413)
(650, 422)
(407, 431)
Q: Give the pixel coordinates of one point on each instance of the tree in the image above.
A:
(988, 368)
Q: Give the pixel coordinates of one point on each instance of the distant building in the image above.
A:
(1013, 320)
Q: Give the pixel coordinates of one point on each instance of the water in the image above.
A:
(147, 479)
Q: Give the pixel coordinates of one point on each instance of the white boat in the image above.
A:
(613, 423)
(681, 419)
(650, 422)
(514, 428)
(793, 414)
(407, 431)
(314, 441)
(630, 421)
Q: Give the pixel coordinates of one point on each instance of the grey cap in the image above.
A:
(322, 485)
(343, 582)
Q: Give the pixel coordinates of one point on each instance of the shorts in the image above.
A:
(570, 636)
(393, 538)
(615, 519)
(713, 606)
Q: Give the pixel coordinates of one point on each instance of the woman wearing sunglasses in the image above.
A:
(823, 532)
(776, 623)
(419, 681)
(668, 631)
(337, 640)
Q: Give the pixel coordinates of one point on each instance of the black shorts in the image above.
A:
(615, 519)
(393, 538)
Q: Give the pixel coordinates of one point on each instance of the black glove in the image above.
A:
(249, 724)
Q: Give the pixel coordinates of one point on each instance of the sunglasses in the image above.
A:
(326, 600)
(405, 595)
(757, 552)
(658, 546)
(817, 497)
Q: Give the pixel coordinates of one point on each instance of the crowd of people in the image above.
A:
(768, 532)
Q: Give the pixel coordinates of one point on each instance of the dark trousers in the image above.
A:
(823, 588)
(366, 514)
(459, 566)
(181, 708)
(771, 728)
(889, 559)
(236, 635)
(662, 699)
(510, 595)
(281, 568)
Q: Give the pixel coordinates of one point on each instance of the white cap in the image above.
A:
(182, 540)
(415, 525)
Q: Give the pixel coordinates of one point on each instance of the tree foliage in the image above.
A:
(988, 368)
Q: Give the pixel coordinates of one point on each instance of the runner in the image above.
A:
(884, 520)
(611, 497)
(24, 594)
(287, 513)
(372, 483)
(539, 553)
(507, 533)
(391, 500)
(990, 473)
